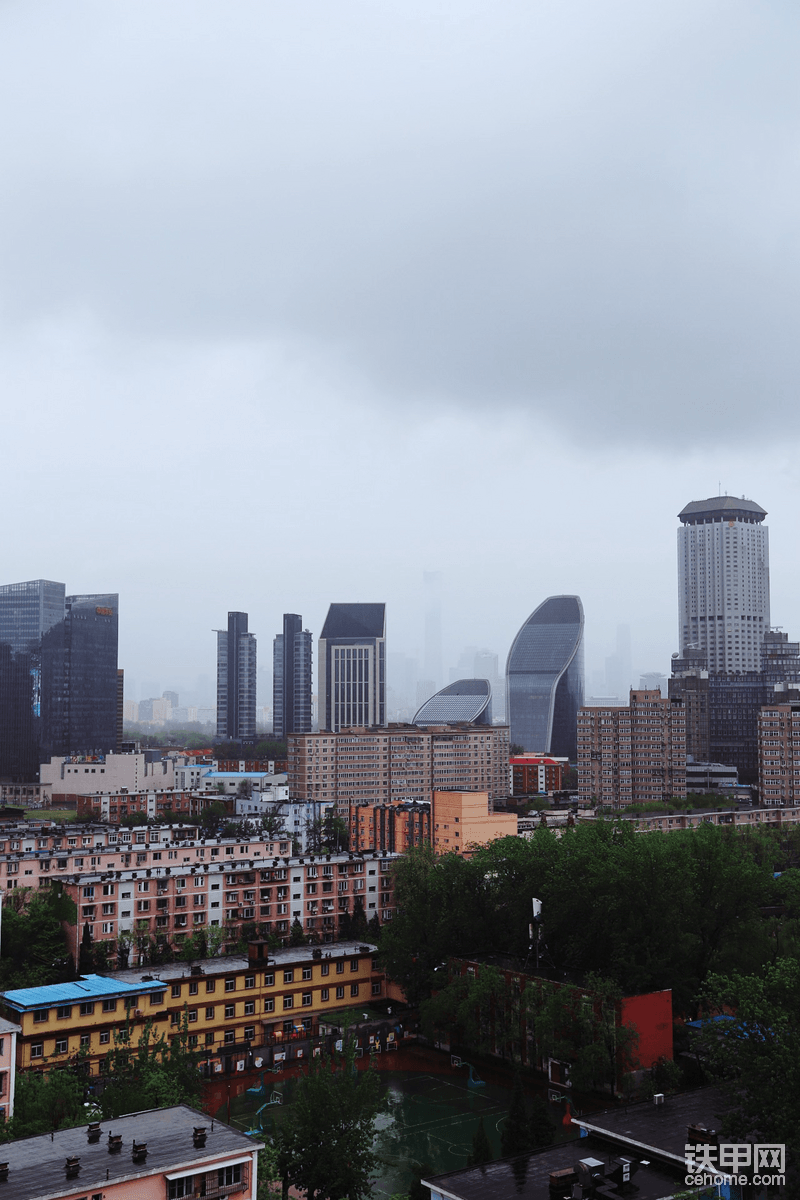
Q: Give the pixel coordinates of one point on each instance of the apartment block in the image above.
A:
(397, 763)
(463, 820)
(533, 774)
(162, 1153)
(152, 805)
(233, 1006)
(393, 827)
(632, 755)
(779, 754)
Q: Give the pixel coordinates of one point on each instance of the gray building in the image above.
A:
(352, 667)
(236, 680)
(291, 678)
(545, 679)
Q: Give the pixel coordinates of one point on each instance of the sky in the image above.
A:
(298, 301)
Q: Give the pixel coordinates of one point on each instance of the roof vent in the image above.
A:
(93, 1132)
(3, 1172)
(72, 1166)
(139, 1152)
(114, 1143)
(199, 1136)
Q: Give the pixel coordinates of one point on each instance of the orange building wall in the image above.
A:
(462, 819)
(652, 1016)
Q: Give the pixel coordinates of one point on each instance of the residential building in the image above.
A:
(235, 1006)
(537, 774)
(8, 1067)
(466, 701)
(690, 684)
(291, 678)
(159, 1154)
(236, 680)
(632, 755)
(352, 667)
(463, 821)
(765, 817)
(545, 678)
(394, 827)
(115, 807)
(397, 763)
(723, 581)
(58, 675)
(779, 753)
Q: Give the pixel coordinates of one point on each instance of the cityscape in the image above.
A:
(399, 634)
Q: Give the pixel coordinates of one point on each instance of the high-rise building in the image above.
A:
(352, 667)
(236, 680)
(291, 678)
(465, 700)
(544, 678)
(723, 581)
(58, 675)
(632, 755)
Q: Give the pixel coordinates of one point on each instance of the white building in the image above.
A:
(723, 581)
(86, 774)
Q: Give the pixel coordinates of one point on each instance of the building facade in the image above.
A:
(291, 678)
(723, 581)
(536, 774)
(463, 821)
(393, 827)
(236, 680)
(545, 678)
(352, 667)
(58, 675)
(632, 755)
(398, 763)
(779, 754)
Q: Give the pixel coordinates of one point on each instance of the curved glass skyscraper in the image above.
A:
(544, 678)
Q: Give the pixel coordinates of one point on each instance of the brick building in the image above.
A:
(779, 754)
(533, 774)
(397, 763)
(464, 820)
(393, 827)
(632, 755)
(152, 805)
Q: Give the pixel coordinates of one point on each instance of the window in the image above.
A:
(250, 1008)
(175, 991)
(209, 1014)
(61, 1045)
(230, 985)
(209, 1039)
(269, 980)
(37, 1049)
(178, 1188)
(228, 1175)
(192, 1014)
(156, 998)
(269, 1005)
(105, 1037)
(288, 976)
(230, 1011)
(340, 993)
(249, 981)
(194, 987)
(84, 1041)
(87, 1009)
(288, 1002)
(325, 994)
(41, 1014)
(306, 999)
(353, 989)
(340, 968)
(109, 1006)
(210, 985)
(306, 972)
(230, 1037)
(325, 969)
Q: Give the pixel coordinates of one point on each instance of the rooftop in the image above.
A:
(720, 507)
(79, 991)
(659, 1129)
(292, 956)
(36, 1165)
(355, 621)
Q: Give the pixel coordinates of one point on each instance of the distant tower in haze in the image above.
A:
(544, 675)
(291, 678)
(432, 666)
(352, 667)
(723, 581)
(236, 680)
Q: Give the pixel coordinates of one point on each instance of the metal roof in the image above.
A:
(88, 987)
(355, 621)
(720, 505)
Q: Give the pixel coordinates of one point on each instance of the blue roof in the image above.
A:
(88, 987)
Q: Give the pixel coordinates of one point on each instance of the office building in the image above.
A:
(236, 680)
(544, 678)
(466, 700)
(352, 667)
(723, 581)
(632, 755)
(59, 685)
(291, 678)
(399, 763)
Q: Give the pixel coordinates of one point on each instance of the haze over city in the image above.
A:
(298, 303)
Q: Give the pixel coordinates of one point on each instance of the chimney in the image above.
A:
(93, 1132)
(3, 1172)
(199, 1136)
(72, 1166)
(114, 1143)
(139, 1152)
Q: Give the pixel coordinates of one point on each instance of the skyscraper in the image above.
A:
(291, 678)
(236, 680)
(544, 675)
(723, 581)
(58, 675)
(352, 666)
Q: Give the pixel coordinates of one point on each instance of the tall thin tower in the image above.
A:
(236, 680)
(291, 678)
(723, 581)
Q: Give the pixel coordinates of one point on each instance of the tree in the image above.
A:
(481, 1147)
(542, 1128)
(516, 1135)
(325, 1147)
(156, 1073)
(46, 1102)
(34, 948)
(296, 935)
(417, 1191)
(272, 824)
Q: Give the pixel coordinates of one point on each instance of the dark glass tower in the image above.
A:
(236, 680)
(291, 678)
(544, 678)
(58, 675)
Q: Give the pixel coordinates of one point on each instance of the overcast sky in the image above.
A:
(299, 300)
